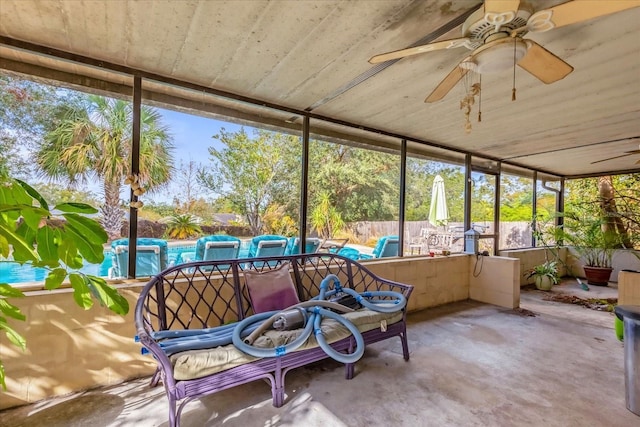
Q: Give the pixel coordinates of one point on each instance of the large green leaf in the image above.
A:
(92, 230)
(76, 207)
(27, 233)
(13, 336)
(21, 250)
(94, 253)
(48, 239)
(81, 291)
(33, 217)
(108, 295)
(55, 278)
(10, 310)
(33, 193)
(3, 384)
(8, 291)
(4, 246)
(14, 194)
(68, 253)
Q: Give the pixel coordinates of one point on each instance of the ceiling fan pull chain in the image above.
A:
(513, 91)
(480, 99)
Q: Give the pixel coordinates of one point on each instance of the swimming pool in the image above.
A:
(12, 272)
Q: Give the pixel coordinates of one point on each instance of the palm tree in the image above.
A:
(92, 140)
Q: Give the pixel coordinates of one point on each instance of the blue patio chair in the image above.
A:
(311, 245)
(387, 246)
(152, 257)
(217, 246)
(267, 245)
(214, 247)
(350, 253)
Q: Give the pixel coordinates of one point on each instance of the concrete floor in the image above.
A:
(471, 364)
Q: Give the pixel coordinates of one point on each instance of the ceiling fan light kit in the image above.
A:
(498, 56)
(495, 34)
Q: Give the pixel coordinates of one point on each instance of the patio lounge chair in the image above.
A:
(217, 246)
(387, 246)
(351, 253)
(312, 244)
(267, 245)
(151, 258)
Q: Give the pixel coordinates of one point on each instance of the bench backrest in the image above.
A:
(207, 294)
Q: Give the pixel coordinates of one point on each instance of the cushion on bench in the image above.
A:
(200, 363)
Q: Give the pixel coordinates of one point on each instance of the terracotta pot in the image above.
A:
(598, 276)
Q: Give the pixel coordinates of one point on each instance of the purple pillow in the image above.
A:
(271, 290)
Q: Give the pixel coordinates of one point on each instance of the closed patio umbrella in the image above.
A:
(438, 213)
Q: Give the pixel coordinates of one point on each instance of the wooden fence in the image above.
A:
(512, 234)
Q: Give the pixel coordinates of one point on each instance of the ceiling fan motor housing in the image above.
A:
(490, 35)
(479, 27)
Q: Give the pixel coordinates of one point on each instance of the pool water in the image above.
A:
(12, 272)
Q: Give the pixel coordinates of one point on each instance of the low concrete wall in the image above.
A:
(495, 280)
(70, 349)
(531, 257)
(436, 281)
(629, 288)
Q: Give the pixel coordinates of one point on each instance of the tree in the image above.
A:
(189, 189)
(363, 185)
(92, 139)
(56, 193)
(611, 199)
(249, 171)
(325, 218)
(419, 184)
(25, 113)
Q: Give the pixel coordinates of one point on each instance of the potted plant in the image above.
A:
(545, 275)
(594, 245)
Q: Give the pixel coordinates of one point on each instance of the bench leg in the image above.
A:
(155, 378)
(405, 345)
(349, 370)
(277, 390)
(174, 418)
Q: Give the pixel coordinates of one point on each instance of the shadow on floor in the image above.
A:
(548, 364)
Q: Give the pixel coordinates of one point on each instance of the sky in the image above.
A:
(192, 137)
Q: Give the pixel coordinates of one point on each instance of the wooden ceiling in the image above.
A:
(312, 56)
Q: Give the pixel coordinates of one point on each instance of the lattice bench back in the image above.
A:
(206, 294)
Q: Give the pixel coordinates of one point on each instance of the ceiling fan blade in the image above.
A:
(501, 6)
(610, 158)
(576, 11)
(543, 64)
(448, 83)
(396, 54)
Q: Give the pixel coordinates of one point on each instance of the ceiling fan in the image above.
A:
(626, 153)
(495, 35)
